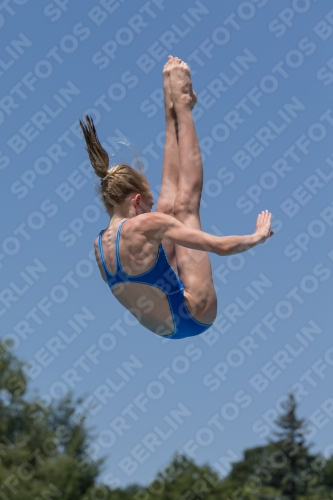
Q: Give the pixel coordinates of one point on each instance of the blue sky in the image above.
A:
(263, 73)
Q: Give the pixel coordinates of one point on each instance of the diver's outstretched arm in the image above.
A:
(159, 226)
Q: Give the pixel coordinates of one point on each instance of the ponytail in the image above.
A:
(99, 158)
(118, 182)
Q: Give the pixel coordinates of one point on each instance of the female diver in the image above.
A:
(156, 263)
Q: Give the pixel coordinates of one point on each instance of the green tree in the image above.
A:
(294, 472)
(42, 450)
(44, 455)
(182, 479)
(328, 474)
(283, 469)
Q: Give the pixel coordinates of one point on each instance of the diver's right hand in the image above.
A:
(263, 226)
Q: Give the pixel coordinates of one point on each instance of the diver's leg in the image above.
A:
(193, 265)
(170, 168)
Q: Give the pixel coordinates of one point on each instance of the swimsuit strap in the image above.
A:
(117, 245)
(101, 253)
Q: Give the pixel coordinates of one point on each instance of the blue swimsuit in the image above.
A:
(162, 276)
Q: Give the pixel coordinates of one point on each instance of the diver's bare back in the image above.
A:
(137, 254)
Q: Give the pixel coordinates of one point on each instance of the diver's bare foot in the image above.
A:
(182, 93)
(168, 104)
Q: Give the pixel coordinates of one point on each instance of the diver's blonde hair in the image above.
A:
(118, 182)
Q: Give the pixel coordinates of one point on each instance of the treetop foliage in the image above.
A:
(44, 455)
